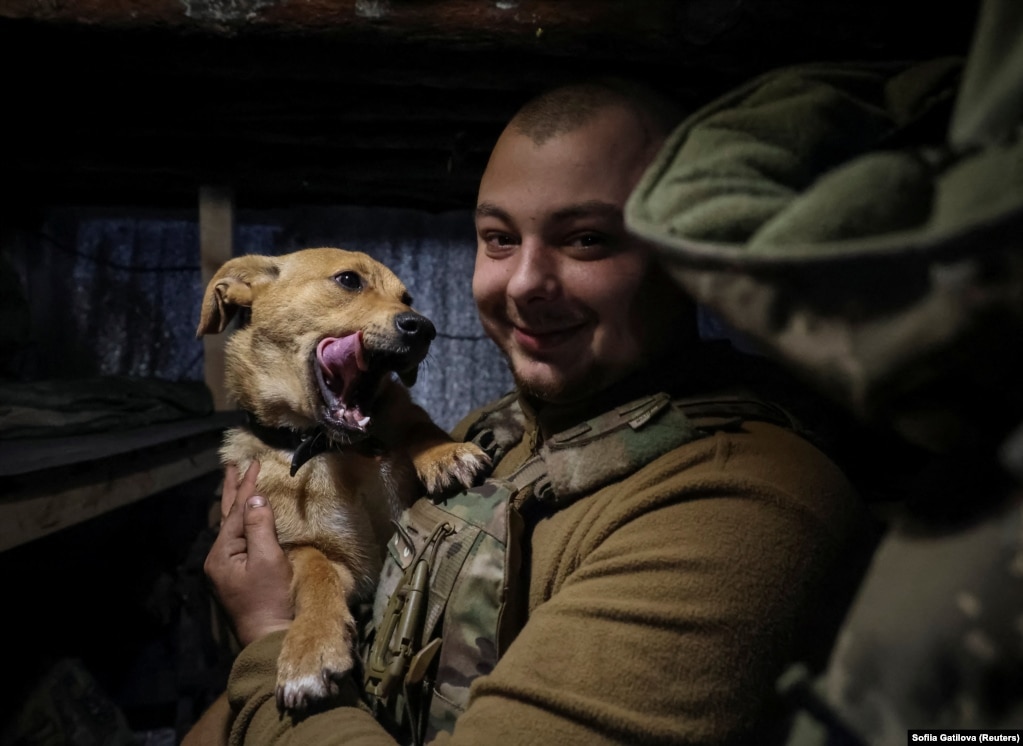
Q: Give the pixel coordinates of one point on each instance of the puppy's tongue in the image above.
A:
(342, 362)
(341, 357)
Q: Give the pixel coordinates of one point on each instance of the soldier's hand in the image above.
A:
(250, 573)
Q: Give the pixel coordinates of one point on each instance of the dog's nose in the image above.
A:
(411, 324)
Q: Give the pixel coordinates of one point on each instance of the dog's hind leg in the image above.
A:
(318, 648)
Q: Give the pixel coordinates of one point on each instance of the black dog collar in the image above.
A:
(304, 445)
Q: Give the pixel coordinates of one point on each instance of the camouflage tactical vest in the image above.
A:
(448, 602)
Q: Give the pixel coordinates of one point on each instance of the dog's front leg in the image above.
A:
(440, 462)
(318, 647)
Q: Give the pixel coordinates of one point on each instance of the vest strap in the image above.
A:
(450, 598)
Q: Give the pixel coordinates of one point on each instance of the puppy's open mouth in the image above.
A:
(347, 382)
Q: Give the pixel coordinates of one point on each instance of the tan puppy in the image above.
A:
(342, 447)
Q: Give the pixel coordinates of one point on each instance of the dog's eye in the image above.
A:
(348, 280)
(406, 299)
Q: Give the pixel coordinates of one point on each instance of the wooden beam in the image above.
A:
(216, 246)
(465, 23)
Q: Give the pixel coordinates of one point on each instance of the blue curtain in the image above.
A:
(117, 292)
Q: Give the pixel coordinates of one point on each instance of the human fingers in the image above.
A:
(229, 490)
(261, 531)
(263, 603)
(242, 533)
(228, 546)
(235, 489)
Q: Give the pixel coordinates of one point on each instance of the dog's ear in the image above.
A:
(409, 377)
(235, 285)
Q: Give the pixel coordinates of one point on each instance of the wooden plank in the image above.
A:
(216, 237)
(25, 520)
(28, 455)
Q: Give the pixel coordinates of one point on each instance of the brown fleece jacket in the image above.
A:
(661, 608)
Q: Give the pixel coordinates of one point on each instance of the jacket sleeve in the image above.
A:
(258, 722)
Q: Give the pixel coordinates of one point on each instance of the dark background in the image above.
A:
(365, 121)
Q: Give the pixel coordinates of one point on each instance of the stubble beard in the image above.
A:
(546, 393)
(560, 391)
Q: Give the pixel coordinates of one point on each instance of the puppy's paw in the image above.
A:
(447, 465)
(313, 660)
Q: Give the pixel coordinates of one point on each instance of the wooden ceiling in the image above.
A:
(373, 102)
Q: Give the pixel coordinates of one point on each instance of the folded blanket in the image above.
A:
(79, 406)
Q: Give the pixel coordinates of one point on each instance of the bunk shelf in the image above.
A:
(47, 484)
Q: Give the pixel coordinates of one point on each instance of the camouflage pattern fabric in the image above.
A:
(448, 603)
(932, 640)
(603, 449)
(459, 550)
(499, 427)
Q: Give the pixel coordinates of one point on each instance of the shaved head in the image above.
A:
(566, 108)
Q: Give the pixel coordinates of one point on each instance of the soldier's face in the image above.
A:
(574, 302)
